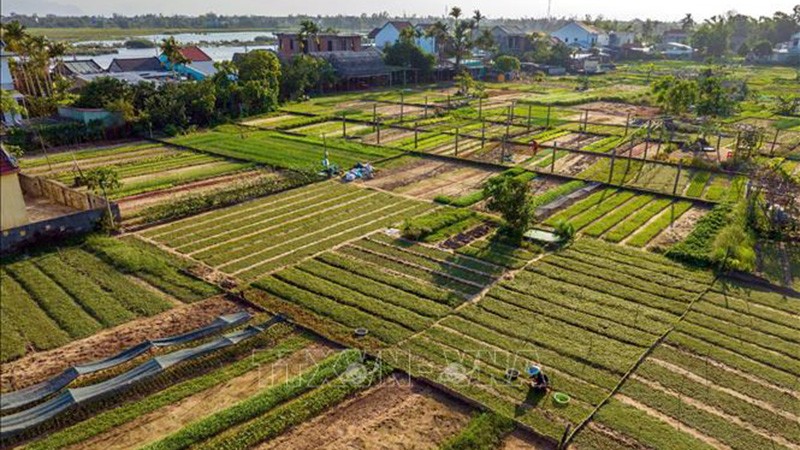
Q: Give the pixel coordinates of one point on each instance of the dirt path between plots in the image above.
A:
(169, 419)
(36, 367)
(409, 174)
(396, 414)
(678, 425)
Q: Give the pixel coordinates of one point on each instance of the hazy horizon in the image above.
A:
(613, 9)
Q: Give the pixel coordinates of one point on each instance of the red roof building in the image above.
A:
(194, 54)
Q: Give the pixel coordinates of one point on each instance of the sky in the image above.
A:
(615, 9)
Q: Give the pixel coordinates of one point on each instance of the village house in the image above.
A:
(12, 203)
(787, 52)
(7, 83)
(578, 34)
(511, 40)
(676, 35)
(77, 67)
(199, 67)
(389, 33)
(290, 44)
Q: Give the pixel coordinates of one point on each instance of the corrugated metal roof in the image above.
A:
(79, 67)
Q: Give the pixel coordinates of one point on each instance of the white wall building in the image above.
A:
(389, 33)
(582, 35)
(7, 84)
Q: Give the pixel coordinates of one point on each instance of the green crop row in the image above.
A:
(697, 247)
(69, 157)
(746, 328)
(431, 277)
(498, 253)
(604, 145)
(152, 267)
(707, 423)
(618, 215)
(220, 374)
(416, 287)
(421, 227)
(165, 181)
(636, 220)
(484, 432)
(698, 184)
(373, 289)
(556, 192)
(671, 278)
(23, 316)
(349, 316)
(438, 255)
(312, 245)
(272, 218)
(253, 407)
(589, 202)
(648, 232)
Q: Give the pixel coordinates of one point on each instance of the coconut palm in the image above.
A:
(308, 29)
(172, 51)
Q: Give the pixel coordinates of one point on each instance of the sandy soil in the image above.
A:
(268, 120)
(396, 414)
(521, 440)
(165, 421)
(574, 164)
(36, 367)
(453, 183)
(422, 176)
(40, 208)
(680, 229)
(573, 141)
(388, 135)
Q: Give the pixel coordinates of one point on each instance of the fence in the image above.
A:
(91, 210)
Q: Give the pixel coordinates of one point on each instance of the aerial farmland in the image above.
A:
(526, 262)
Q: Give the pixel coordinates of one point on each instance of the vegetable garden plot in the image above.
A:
(584, 319)
(73, 292)
(726, 376)
(140, 167)
(392, 287)
(300, 223)
(279, 150)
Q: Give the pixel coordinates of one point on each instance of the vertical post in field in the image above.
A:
(548, 115)
(553, 161)
(344, 127)
(374, 116)
(530, 107)
(483, 133)
(416, 135)
(456, 141)
(677, 177)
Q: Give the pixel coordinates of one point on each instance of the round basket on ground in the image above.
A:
(360, 332)
(561, 399)
(512, 374)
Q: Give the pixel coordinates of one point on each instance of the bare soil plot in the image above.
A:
(36, 367)
(574, 141)
(396, 414)
(521, 440)
(574, 164)
(428, 178)
(616, 113)
(270, 120)
(388, 136)
(170, 419)
(40, 208)
(680, 229)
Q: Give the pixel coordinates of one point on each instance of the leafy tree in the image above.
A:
(714, 98)
(103, 90)
(675, 95)
(308, 30)
(762, 49)
(260, 77)
(744, 50)
(9, 105)
(687, 23)
(302, 73)
(172, 51)
(510, 197)
(457, 41)
(406, 53)
(507, 63)
(565, 230)
(712, 37)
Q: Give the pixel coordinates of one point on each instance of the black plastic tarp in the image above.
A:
(15, 423)
(37, 392)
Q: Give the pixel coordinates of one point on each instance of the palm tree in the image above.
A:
(687, 23)
(172, 51)
(308, 29)
(440, 32)
(409, 34)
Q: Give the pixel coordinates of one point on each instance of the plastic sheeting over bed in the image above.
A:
(37, 392)
(18, 422)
